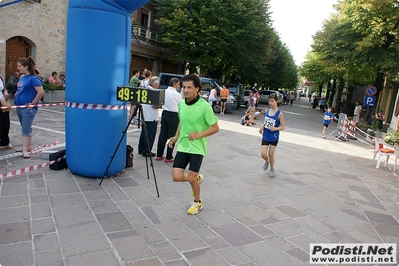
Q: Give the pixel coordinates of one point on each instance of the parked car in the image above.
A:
(206, 85)
(236, 91)
(245, 98)
(264, 96)
(165, 78)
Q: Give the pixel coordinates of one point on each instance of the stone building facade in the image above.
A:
(39, 30)
(33, 29)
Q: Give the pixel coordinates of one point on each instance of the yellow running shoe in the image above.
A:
(195, 207)
(200, 178)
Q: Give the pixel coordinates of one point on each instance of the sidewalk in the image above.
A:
(325, 191)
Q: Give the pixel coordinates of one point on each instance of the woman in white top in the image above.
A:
(357, 112)
(144, 82)
(4, 118)
(212, 96)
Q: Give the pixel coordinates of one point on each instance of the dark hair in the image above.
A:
(62, 75)
(148, 74)
(194, 78)
(53, 73)
(29, 63)
(173, 81)
(273, 96)
(135, 70)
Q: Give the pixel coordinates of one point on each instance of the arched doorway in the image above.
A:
(16, 48)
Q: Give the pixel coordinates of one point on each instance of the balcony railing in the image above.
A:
(145, 34)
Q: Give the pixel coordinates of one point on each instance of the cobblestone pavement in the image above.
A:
(324, 191)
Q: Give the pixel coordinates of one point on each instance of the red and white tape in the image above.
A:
(72, 105)
(94, 106)
(31, 105)
(41, 148)
(44, 146)
(30, 168)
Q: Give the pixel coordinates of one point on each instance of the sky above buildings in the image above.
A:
(297, 20)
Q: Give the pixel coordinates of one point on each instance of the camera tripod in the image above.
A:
(139, 111)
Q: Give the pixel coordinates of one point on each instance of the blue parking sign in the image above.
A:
(369, 101)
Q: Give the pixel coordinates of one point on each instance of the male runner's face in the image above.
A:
(190, 92)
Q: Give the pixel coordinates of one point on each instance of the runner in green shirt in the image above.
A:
(197, 123)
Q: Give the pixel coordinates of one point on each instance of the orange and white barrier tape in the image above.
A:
(31, 105)
(94, 106)
(40, 148)
(30, 168)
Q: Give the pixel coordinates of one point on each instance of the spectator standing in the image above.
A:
(357, 112)
(379, 117)
(213, 94)
(311, 101)
(270, 130)
(292, 98)
(254, 87)
(4, 117)
(151, 116)
(169, 120)
(256, 94)
(142, 73)
(35, 66)
(12, 83)
(30, 91)
(197, 123)
(224, 93)
(322, 105)
(251, 100)
(144, 82)
(327, 117)
(134, 82)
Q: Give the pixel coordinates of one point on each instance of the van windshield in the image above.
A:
(233, 89)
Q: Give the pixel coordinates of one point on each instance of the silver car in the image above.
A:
(264, 96)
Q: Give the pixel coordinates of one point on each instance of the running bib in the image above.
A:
(269, 122)
(326, 117)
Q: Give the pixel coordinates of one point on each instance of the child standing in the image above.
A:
(328, 116)
(270, 130)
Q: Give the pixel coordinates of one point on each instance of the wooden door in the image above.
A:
(16, 48)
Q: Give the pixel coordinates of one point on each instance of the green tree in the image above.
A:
(222, 37)
(376, 22)
(282, 71)
(357, 44)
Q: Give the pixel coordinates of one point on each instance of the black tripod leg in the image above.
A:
(149, 151)
(147, 144)
(116, 150)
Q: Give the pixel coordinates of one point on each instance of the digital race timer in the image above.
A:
(140, 95)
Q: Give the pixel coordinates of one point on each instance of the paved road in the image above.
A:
(325, 191)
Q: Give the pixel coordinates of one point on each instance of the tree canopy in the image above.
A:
(358, 43)
(231, 38)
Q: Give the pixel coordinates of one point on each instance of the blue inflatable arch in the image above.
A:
(97, 61)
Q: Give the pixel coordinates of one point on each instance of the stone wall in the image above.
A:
(44, 25)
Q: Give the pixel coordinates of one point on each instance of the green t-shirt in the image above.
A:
(134, 82)
(197, 117)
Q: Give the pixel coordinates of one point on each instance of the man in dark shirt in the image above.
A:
(12, 83)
